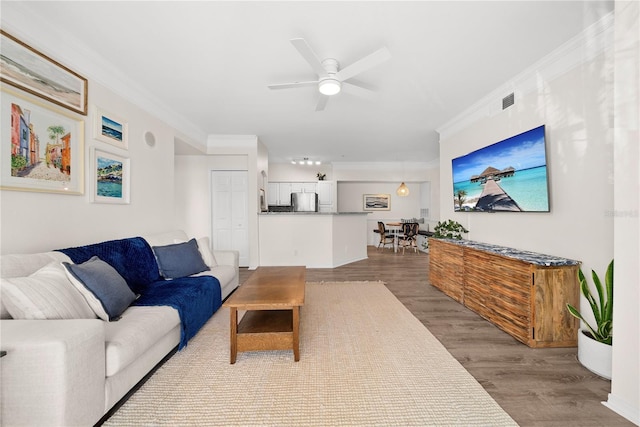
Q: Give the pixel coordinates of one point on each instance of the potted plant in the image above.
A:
(449, 230)
(594, 343)
(446, 230)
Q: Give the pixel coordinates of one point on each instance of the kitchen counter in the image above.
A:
(312, 239)
(314, 213)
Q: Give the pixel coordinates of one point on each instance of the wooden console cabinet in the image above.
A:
(523, 293)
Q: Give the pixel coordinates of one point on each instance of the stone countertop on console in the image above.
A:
(526, 256)
(314, 213)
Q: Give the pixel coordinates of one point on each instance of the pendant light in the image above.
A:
(403, 190)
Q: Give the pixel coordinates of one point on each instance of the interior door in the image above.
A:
(229, 219)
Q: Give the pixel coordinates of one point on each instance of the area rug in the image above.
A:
(365, 360)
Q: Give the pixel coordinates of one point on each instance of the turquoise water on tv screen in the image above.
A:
(527, 187)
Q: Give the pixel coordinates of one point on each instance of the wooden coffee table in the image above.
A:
(272, 297)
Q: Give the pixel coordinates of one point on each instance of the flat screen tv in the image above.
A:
(509, 176)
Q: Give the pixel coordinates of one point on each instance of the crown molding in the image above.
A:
(584, 47)
(58, 43)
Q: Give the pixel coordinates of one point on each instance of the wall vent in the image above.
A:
(508, 101)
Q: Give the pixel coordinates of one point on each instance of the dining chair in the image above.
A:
(386, 238)
(409, 236)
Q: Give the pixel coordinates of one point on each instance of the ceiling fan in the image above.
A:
(331, 79)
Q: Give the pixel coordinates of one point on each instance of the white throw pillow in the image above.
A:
(205, 251)
(45, 294)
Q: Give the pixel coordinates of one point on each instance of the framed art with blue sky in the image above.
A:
(27, 69)
(42, 145)
(110, 128)
(111, 177)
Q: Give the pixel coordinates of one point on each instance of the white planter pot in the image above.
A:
(594, 355)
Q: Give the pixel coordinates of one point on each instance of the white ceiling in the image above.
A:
(211, 62)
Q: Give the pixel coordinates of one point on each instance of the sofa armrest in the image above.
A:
(53, 372)
(227, 258)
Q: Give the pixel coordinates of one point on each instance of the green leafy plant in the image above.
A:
(449, 229)
(602, 308)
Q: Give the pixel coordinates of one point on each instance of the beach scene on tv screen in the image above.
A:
(510, 175)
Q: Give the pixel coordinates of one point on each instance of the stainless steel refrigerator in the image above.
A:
(304, 202)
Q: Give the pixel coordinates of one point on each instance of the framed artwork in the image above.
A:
(25, 68)
(110, 129)
(377, 202)
(42, 146)
(111, 177)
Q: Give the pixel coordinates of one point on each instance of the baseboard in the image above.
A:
(623, 408)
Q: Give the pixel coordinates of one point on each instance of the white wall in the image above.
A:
(33, 222)
(193, 174)
(576, 103)
(286, 172)
(575, 106)
(625, 385)
(193, 189)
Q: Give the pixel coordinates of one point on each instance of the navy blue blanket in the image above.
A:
(132, 258)
(195, 298)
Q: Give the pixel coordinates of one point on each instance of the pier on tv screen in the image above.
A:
(509, 176)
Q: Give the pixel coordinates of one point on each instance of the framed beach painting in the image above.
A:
(42, 146)
(110, 128)
(377, 202)
(111, 177)
(25, 68)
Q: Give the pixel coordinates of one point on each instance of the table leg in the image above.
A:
(233, 334)
(296, 333)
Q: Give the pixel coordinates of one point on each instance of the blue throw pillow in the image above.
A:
(180, 259)
(104, 289)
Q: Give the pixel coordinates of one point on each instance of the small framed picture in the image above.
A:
(110, 128)
(111, 177)
(377, 202)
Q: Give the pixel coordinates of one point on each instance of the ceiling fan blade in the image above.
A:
(307, 53)
(363, 64)
(322, 102)
(358, 89)
(292, 85)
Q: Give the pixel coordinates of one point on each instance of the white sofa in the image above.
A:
(72, 372)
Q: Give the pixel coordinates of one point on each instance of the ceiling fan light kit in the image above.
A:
(330, 76)
(329, 86)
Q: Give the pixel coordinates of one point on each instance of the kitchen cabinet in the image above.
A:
(523, 293)
(326, 202)
(304, 187)
(279, 193)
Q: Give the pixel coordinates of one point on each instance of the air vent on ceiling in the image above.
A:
(508, 101)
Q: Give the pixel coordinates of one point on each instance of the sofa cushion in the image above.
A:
(180, 259)
(131, 257)
(205, 250)
(136, 331)
(45, 294)
(224, 273)
(104, 289)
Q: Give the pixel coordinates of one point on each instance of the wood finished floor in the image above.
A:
(536, 387)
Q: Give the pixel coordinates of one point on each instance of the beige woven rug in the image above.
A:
(365, 360)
